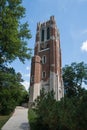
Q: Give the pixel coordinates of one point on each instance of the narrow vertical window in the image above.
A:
(48, 33)
(42, 35)
(44, 59)
(43, 74)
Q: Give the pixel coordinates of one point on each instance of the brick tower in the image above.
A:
(46, 62)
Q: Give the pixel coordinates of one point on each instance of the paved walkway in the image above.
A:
(18, 121)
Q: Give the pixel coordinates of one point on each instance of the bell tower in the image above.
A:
(46, 63)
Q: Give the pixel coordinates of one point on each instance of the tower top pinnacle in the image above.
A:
(52, 17)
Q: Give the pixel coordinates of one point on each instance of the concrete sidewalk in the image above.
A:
(18, 121)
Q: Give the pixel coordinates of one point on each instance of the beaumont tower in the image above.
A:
(46, 70)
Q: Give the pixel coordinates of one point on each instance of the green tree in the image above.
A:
(74, 76)
(46, 111)
(12, 92)
(70, 113)
(66, 114)
(81, 113)
(13, 33)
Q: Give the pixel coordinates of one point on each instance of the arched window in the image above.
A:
(42, 35)
(48, 33)
(44, 59)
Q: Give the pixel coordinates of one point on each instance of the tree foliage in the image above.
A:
(74, 76)
(67, 114)
(13, 33)
(70, 113)
(12, 92)
(44, 106)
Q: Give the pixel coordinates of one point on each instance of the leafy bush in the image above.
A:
(67, 114)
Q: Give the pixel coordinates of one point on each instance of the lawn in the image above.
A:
(3, 120)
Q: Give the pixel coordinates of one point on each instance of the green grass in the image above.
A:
(32, 119)
(3, 120)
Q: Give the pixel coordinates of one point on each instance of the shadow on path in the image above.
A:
(24, 126)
